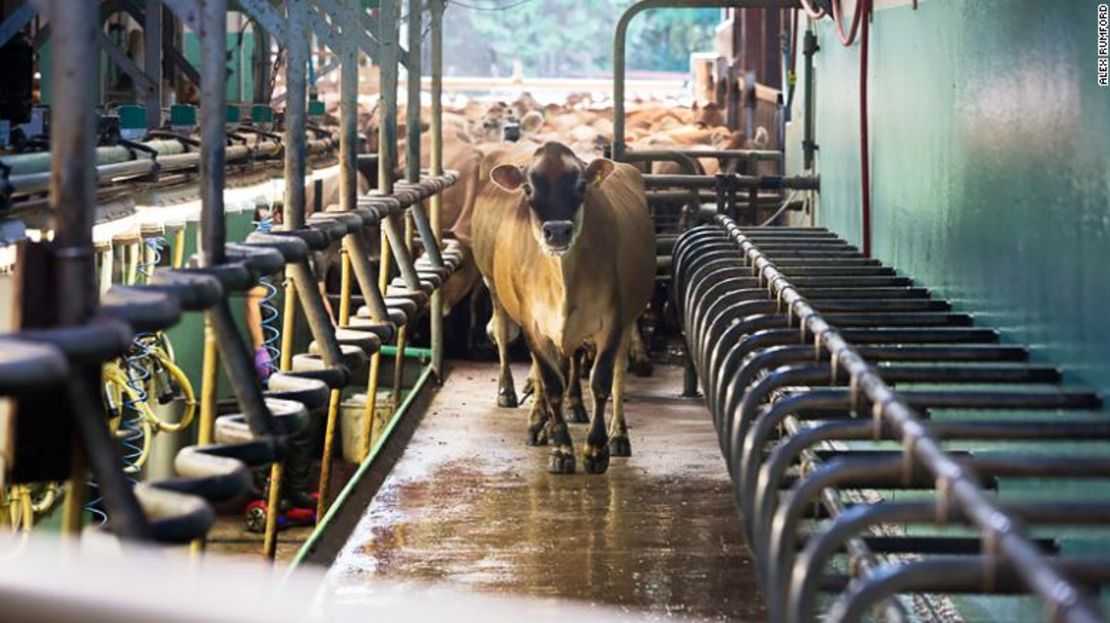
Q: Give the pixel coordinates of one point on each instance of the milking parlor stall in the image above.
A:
(553, 310)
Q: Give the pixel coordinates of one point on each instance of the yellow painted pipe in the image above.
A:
(329, 449)
(269, 541)
(287, 320)
(209, 380)
(344, 288)
(371, 402)
(73, 510)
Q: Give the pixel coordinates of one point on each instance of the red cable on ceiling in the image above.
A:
(862, 15)
(864, 148)
(863, 6)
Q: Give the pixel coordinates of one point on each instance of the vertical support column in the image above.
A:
(437, 8)
(293, 199)
(213, 233)
(348, 138)
(293, 208)
(413, 126)
(348, 106)
(213, 222)
(73, 199)
(73, 150)
(213, 147)
(388, 14)
(261, 66)
(412, 108)
(152, 61)
(296, 102)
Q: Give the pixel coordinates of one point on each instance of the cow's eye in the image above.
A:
(528, 189)
(580, 188)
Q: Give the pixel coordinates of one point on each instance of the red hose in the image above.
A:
(793, 43)
(864, 9)
(814, 14)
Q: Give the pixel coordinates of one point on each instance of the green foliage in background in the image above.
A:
(569, 38)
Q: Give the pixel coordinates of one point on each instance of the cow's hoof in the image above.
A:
(578, 414)
(537, 435)
(507, 400)
(529, 387)
(620, 446)
(561, 461)
(596, 460)
(641, 367)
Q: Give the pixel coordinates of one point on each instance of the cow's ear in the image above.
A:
(598, 170)
(531, 122)
(508, 177)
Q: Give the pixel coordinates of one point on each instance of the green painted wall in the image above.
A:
(991, 163)
(990, 143)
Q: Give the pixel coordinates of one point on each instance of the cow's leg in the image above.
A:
(577, 408)
(539, 419)
(506, 393)
(596, 453)
(552, 386)
(530, 382)
(638, 357)
(619, 445)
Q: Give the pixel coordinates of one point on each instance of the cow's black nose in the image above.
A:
(558, 233)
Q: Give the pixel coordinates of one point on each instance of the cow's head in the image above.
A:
(555, 185)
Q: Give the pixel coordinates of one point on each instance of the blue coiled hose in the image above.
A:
(271, 333)
(138, 361)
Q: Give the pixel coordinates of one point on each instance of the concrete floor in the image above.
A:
(469, 505)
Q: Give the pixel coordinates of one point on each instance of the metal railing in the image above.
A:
(795, 335)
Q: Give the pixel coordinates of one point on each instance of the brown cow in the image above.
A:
(567, 250)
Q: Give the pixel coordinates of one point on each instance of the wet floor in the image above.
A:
(469, 505)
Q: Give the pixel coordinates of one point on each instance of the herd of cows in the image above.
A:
(562, 241)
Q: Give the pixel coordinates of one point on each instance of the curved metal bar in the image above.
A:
(620, 38)
(960, 485)
(819, 549)
(961, 574)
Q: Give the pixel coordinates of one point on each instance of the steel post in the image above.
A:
(73, 199)
(296, 103)
(213, 59)
(437, 8)
(152, 61)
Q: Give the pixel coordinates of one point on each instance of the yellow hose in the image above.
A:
(186, 387)
(148, 422)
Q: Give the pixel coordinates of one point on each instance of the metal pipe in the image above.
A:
(348, 109)
(809, 146)
(689, 164)
(620, 38)
(73, 199)
(797, 182)
(73, 143)
(319, 322)
(437, 8)
(718, 154)
(678, 196)
(152, 61)
(296, 85)
(969, 574)
(213, 51)
(388, 14)
(954, 480)
(412, 106)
